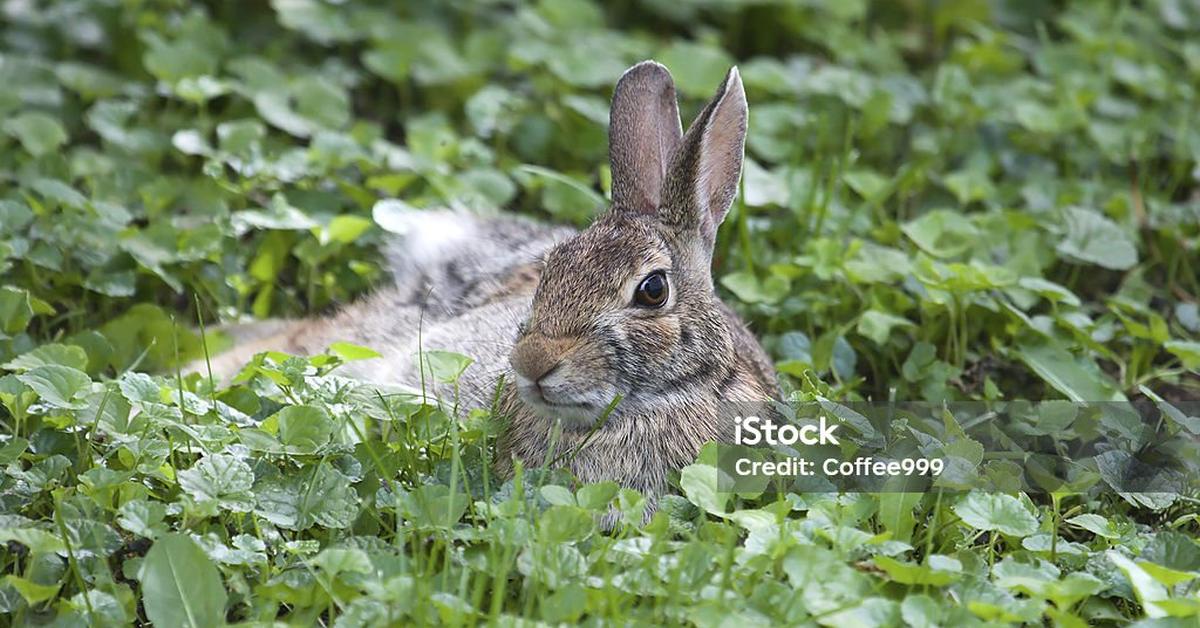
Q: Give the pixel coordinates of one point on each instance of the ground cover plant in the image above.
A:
(942, 201)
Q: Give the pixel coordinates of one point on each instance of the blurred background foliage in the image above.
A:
(965, 199)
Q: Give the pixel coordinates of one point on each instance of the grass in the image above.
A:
(971, 204)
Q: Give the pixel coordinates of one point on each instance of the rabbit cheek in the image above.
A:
(653, 340)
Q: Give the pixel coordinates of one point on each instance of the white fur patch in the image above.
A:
(432, 234)
(429, 237)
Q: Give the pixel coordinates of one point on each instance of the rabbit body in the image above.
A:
(619, 358)
(462, 283)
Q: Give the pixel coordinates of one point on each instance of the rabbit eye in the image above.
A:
(653, 290)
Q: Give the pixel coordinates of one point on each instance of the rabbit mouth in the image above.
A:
(580, 407)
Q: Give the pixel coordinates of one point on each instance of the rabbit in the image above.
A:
(624, 311)
(627, 308)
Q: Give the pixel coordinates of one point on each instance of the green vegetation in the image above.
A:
(942, 200)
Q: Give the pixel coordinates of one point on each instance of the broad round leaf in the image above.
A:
(993, 511)
(180, 585)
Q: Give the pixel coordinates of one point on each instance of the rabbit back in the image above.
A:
(460, 283)
(450, 261)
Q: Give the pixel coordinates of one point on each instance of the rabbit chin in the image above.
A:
(577, 409)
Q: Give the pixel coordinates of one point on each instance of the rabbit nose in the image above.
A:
(537, 383)
(535, 357)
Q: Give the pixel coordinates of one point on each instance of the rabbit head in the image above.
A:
(627, 307)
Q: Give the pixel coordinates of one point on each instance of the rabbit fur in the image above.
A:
(553, 313)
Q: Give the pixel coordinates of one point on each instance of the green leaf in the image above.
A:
(878, 325)
(14, 216)
(938, 575)
(180, 585)
(120, 284)
(220, 478)
(60, 193)
(444, 366)
(344, 229)
(38, 133)
(1049, 290)
(88, 80)
(49, 354)
(755, 520)
(1145, 587)
(566, 605)
(58, 385)
(336, 561)
(1037, 117)
(38, 541)
(870, 611)
(866, 183)
(1093, 238)
(15, 310)
(1166, 575)
(589, 62)
(960, 278)
(321, 22)
(12, 450)
(322, 102)
(942, 233)
(921, 611)
(992, 511)
(597, 496)
(1095, 524)
(1188, 314)
(434, 506)
(557, 495)
(1036, 578)
(1189, 423)
(1078, 379)
(1174, 550)
(563, 196)
(1074, 587)
(747, 287)
(304, 428)
(140, 388)
(1187, 352)
(279, 214)
(142, 517)
(106, 609)
(492, 110)
(699, 484)
(856, 421)
(240, 136)
(969, 185)
(564, 524)
(352, 352)
(191, 142)
(33, 592)
(795, 345)
(896, 513)
(318, 495)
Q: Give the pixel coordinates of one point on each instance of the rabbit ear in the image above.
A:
(703, 177)
(643, 133)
